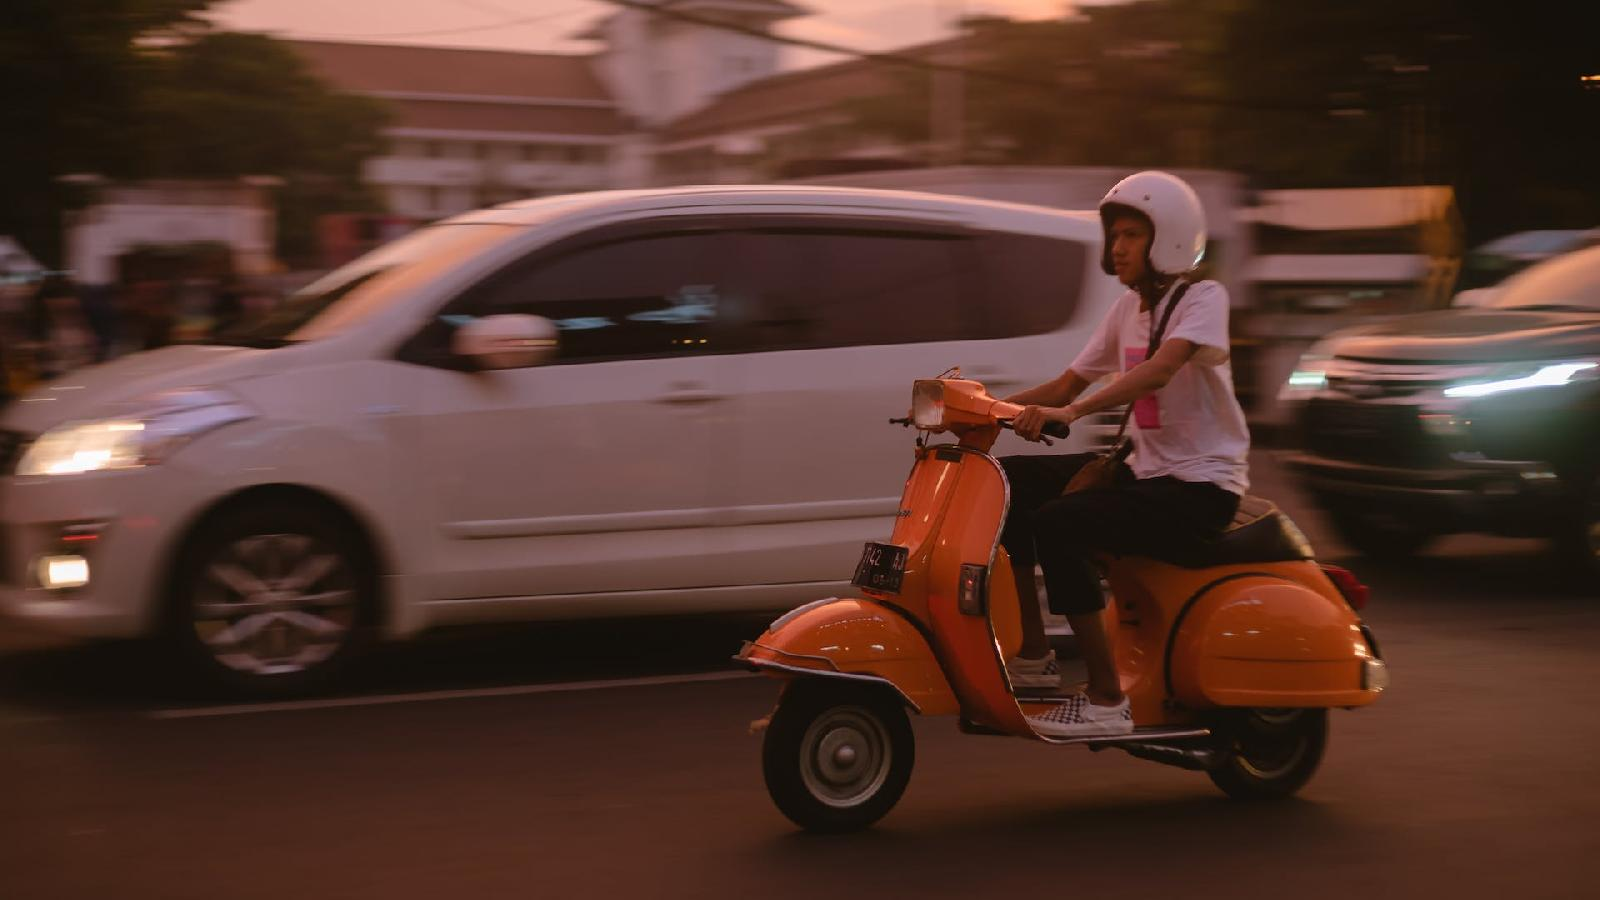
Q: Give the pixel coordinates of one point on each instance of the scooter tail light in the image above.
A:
(1355, 593)
(973, 598)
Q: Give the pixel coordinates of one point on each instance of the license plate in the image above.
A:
(882, 568)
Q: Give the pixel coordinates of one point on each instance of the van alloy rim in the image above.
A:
(274, 604)
(845, 756)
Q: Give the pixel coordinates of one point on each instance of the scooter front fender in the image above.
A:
(855, 640)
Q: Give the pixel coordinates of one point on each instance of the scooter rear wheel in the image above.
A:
(837, 757)
(1272, 752)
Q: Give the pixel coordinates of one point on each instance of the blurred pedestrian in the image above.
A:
(151, 308)
(62, 337)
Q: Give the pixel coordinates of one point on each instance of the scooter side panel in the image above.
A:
(968, 643)
(858, 637)
(1151, 599)
(1265, 642)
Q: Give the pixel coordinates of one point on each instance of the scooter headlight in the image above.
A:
(927, 404)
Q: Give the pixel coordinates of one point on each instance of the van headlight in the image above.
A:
(148, 435)
(1531, 375)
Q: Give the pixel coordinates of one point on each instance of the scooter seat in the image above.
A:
(1259, 533)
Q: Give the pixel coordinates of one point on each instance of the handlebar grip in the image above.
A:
(1044, 437)
(1056, 429)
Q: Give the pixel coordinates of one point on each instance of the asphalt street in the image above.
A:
(492, 764)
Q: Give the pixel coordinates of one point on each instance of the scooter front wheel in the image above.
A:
(837, 756)
(1272, 752)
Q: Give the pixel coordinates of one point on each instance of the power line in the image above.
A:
(933, 65)
(441, 32)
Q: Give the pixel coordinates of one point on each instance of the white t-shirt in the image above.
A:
(1192, 429)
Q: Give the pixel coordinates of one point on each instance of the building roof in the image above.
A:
(1338, 268)
(772, 10)
(405, 68)
(793, 97)
(1340, 209)
(781, 99)
(447, 115)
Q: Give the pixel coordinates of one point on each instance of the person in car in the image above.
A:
(1187, 471)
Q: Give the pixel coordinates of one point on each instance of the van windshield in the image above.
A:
(359, 289)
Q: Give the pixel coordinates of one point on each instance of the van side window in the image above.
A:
(831, 287)
(636, 297)
(1031, 284)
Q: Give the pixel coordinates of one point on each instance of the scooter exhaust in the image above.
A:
(1198, 759)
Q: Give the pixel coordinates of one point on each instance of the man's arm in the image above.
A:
(1058, 391)
(1147, 377)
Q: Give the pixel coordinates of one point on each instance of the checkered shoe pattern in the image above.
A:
(1077, 717)
(1043, 672)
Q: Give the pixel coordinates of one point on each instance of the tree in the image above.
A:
(144, 88)
(224, 105)
(1487, 96)
(70, 76)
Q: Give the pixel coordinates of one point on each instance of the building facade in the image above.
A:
(662, 101)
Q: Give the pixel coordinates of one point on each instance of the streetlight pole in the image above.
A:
(947, 112)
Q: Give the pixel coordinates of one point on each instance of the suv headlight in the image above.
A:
(147, 436)
(1309, 376)
(1531, 375)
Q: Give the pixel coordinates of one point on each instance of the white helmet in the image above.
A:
(1175, 216)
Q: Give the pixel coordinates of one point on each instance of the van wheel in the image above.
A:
(837, 757)
(1379, 534)
(272, 600)
(1271, 753)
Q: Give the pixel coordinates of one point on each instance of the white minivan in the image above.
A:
(616, 403)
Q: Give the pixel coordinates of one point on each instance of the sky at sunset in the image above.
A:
(546, 25)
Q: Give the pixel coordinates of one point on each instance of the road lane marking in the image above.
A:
(516, 690)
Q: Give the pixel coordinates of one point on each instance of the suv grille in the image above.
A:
(1357, 386)
(1368, 380)
(1377, 433)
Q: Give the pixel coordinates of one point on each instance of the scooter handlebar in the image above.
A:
(1050, 430)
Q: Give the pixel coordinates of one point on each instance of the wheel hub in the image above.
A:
(274, 604)
(845, 756)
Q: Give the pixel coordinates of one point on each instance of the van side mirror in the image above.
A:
(506, 341)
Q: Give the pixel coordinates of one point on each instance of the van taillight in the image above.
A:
(1355, 593)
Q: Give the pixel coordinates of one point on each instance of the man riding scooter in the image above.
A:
(1165, 342)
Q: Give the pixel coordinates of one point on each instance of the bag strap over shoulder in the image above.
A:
(1159, 329)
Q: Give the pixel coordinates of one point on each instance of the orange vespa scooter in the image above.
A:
(1231, 660)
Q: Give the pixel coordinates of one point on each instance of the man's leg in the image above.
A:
(1067, 531)
(1154, 516)
(1105, 684)
(1035, 643)
(1035, 481)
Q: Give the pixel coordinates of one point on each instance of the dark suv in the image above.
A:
(1462, 420)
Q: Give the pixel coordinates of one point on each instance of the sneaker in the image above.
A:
(1043, 672)
(1077, 717)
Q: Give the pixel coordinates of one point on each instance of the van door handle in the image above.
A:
(690, 396)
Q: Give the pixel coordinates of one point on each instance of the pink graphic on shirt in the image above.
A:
(1147, 409)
